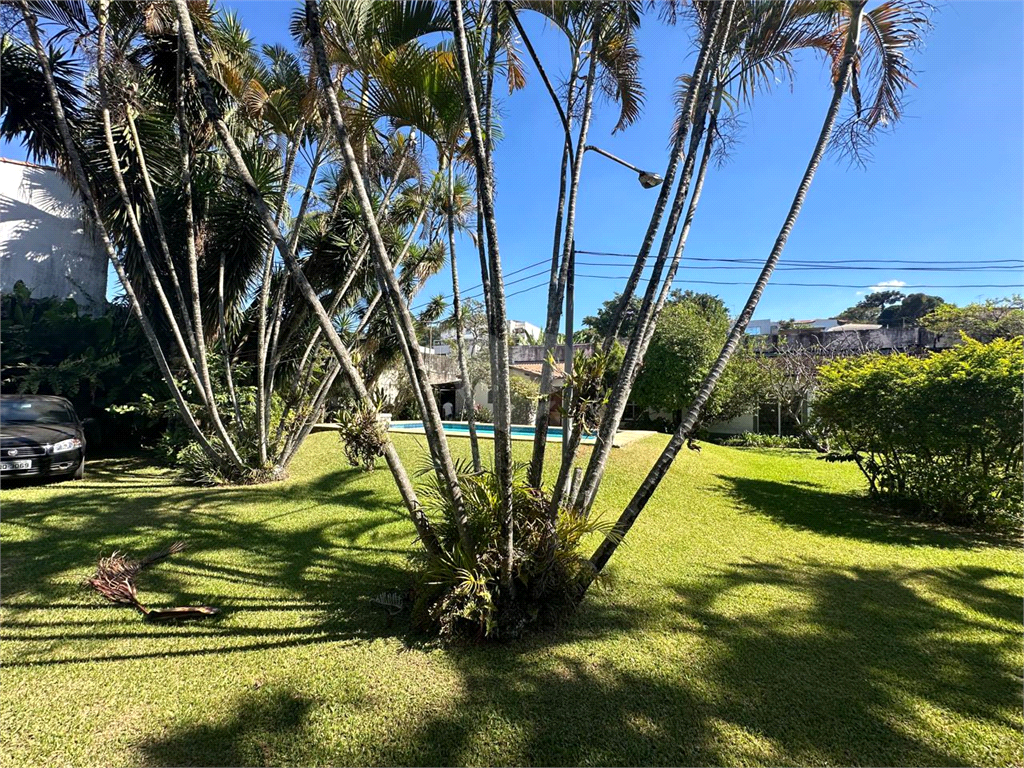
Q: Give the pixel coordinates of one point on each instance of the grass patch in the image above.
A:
(763, 613)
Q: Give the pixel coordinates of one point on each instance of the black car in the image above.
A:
(40, 436)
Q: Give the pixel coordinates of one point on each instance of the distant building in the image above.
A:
(772, 327)
(519, 331)
(45, 240)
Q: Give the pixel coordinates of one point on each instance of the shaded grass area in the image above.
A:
(762, 613)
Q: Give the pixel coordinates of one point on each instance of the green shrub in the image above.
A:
(96, 362)
(938, 434)
(757, 440)
(196, 467)
(524, 394)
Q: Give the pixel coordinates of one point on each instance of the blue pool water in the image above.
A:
(461, 429)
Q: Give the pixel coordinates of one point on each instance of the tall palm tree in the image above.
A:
(419, 87)
(896, 28)
(76, 169)
(231, 148)
(601, 39)
(680, 160)
(398, 310)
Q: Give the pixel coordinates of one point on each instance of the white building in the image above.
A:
(771, 327)
(519, 331)
(45, 240)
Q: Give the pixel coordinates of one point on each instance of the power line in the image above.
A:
(818, 261)
(791, 268)
(687, 281)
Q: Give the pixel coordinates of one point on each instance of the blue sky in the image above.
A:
(945, 185)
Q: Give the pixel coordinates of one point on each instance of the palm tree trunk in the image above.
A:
(206, 392)
(460, 335)
(147, 185)
(82, 180)
(556, 283)
(670, 175)
(569, 362)
(225, 347)
(348, 368)
(193, 264)
(115, 164)
(556, 297)
(497, 317)
(633, 358)
(401, 318)
(295, 440)
(262, 334)
(357, 263)
(659, 470)
(274, 357)
(698, 187)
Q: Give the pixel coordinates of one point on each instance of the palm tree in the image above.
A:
(895, 27)
(398, 310)
(601, 40)
(355, 381)
(76, 168)
(497, 316)
(418, 87)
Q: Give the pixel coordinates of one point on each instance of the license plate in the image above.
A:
(24, 464)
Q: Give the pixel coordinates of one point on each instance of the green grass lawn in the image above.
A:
(761, 613)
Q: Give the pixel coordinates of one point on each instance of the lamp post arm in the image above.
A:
(610, 156)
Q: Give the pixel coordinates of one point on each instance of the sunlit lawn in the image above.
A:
(761, 613)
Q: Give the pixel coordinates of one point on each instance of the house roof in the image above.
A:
(534, 369)
(853, 327)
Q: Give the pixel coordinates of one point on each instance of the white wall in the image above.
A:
(44, 241)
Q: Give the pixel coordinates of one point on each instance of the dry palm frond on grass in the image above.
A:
(115, 580)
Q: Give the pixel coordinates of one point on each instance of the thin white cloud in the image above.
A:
(886, 285)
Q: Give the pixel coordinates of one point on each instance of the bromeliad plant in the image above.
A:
(364, 435)
(459, 592)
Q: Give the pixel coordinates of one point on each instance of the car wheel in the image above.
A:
(80, 472)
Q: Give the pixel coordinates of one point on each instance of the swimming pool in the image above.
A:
(461, 429)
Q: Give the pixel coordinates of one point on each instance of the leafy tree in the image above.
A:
(986, 321)
(524, 399)
(909, 312)
(686, 342)
(867, 309)
(891, 308)
(600, 325)
(684, 345)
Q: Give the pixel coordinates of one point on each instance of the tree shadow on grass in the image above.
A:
(794, 663)
(254, 734)
(756, 663)
(800, 663)
(296, 566)
(804, 505)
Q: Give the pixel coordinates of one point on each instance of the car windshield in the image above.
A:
(34, 412)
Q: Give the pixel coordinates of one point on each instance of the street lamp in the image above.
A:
(648, 180)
